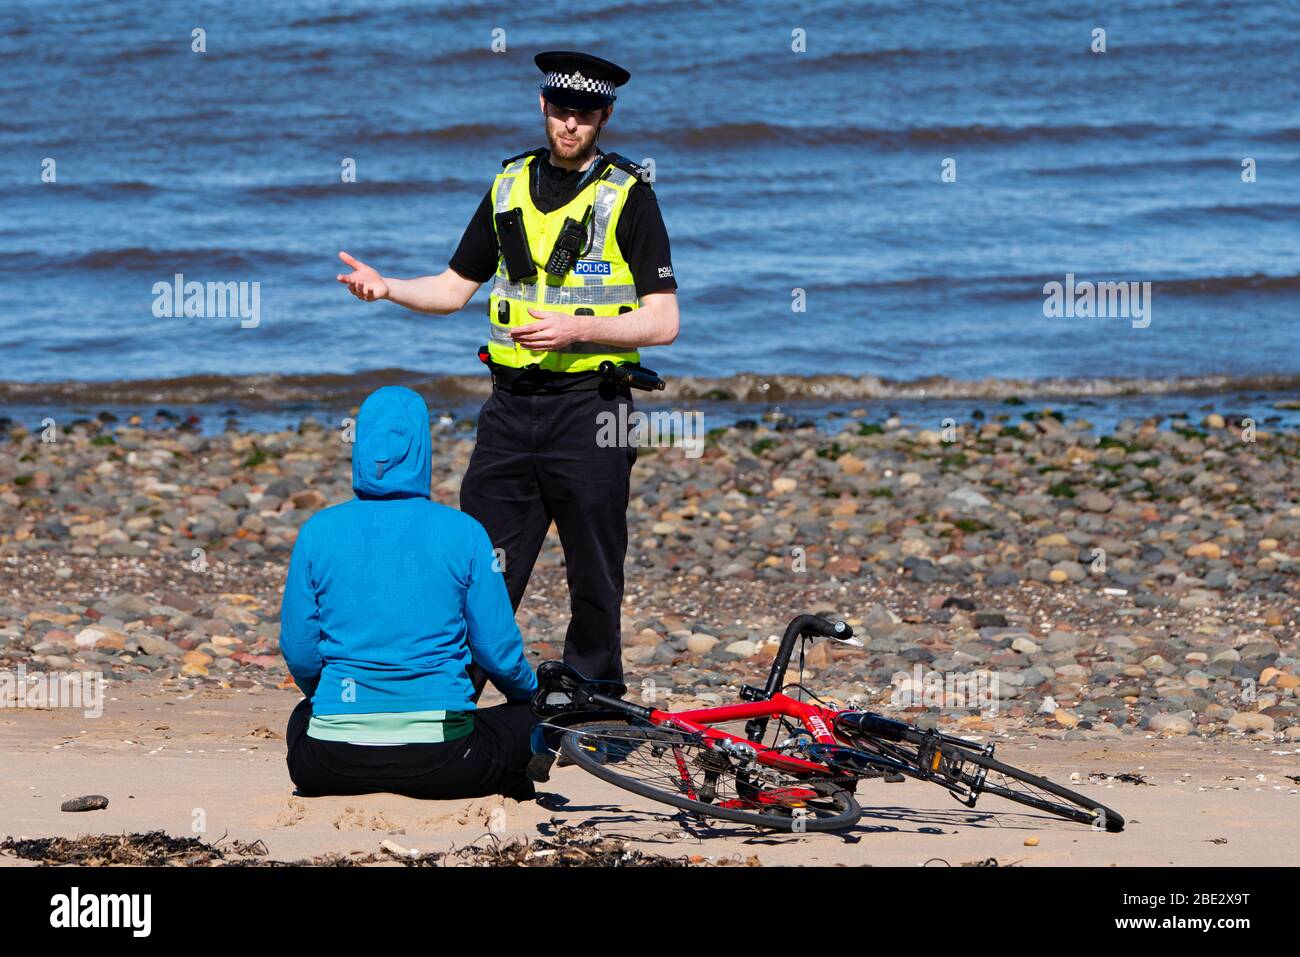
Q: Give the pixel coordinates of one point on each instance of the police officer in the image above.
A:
(581, 272)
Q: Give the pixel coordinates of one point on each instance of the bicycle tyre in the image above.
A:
(1085, 810)
(904, 742)
(845, 810)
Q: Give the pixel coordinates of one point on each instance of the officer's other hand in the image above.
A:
(363, 282)
(552, 332)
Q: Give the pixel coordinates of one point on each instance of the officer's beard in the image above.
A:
(579, 151)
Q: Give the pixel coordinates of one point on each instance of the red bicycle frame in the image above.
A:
(761, 705)
(818, 721)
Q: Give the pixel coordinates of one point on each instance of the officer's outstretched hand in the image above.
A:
(552, 332)
(364, 282)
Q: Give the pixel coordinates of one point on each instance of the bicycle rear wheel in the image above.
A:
(684, 771)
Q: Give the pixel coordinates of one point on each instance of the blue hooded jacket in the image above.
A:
(388, 594)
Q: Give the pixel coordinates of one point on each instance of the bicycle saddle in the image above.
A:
(557, 684)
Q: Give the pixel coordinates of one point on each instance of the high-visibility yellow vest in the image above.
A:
(599, 283)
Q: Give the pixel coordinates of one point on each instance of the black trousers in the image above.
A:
(490, 760)
(538, 459)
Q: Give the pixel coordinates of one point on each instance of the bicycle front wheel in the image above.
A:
(1034, 791)
(968, 773)
(686, 772)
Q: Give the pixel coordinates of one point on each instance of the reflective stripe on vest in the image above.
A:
(589, 295)
(501, 199)
(606, 197)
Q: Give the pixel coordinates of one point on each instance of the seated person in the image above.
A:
(389, 598)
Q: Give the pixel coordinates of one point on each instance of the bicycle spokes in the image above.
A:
(690, 766)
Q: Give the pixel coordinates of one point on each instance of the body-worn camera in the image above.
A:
(514, 246)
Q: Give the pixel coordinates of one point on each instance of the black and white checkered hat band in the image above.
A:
(576, 81)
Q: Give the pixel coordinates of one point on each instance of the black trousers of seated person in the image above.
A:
(489, 760)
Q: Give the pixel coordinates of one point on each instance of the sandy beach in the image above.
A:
(168, 758)
(1135, 592)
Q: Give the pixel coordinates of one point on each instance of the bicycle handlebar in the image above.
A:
(802, 626)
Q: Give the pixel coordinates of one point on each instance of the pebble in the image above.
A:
(1251, 721)
(969, 498)
(1067, 719)
(1096, 501)
(699, 644)
(850, 465)
(90, 802)
(157, 646)
(1169, 724)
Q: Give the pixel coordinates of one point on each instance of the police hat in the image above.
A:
(579, 81)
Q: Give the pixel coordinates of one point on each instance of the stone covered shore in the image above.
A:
(1142, 581)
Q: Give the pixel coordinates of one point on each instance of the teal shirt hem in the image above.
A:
(392, 727)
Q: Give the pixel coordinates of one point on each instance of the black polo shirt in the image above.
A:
(640, 233)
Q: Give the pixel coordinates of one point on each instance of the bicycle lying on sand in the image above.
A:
(802, 782)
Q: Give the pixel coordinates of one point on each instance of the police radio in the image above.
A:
(569, 245)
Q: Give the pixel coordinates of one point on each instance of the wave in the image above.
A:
(120, 189)
(1222, 285)
(244, 390)
(276, 390)
(1217, 215)
(330, 20)
(1115, 167)
(752, 387)
(443, 14)
(339, 190)
(172, 260)
(455, 133)
(952, 51)
(997, 288)
(758, 132)
(154, 51)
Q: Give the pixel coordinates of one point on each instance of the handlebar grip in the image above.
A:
(836, 628)
(800, 627)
